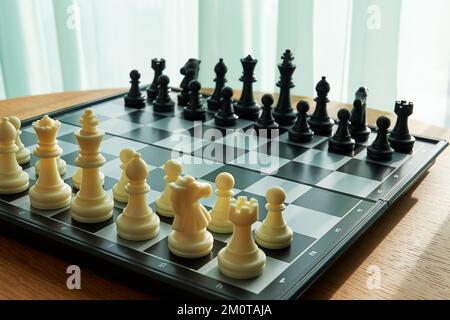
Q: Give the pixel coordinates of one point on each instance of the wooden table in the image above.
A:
(410, 245)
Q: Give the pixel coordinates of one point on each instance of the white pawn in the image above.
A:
(12, 177)
(189, 237)
(274, 233)
(220, 221)
(172, 169)
(22, 154)
(241, 258)
(119, 192)
(137, 222)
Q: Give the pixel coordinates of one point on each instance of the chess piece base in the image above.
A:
(50, 198)
(341, 147)
(402, 146)
(213, 104)
(321, 127)
(136, 103)
(225, 122)
(377, 155)
(220, 226)
(197, 114)
(137, 228)
(164, 209)
(250, 112)
(23, 156)
(280, 239)
(92, 210)
(14, 182)
(241, 267)
(164, 107)
(301, 137)
(187, 247)
(360, 135)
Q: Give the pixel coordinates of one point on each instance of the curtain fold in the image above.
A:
(55, 45)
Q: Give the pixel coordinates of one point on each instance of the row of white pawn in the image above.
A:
(241, 258)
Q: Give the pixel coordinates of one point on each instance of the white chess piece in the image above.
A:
(76, 178)
(22, 154)
(189, 237)
(49, 192)
(119, 192)
(91, 204)
(220, 221)
(12, 177)
(241, 258)
(137, 222)
(172, 169)
(274, 233)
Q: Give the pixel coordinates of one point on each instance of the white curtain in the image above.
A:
(397, 48)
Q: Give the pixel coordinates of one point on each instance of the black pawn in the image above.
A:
(283, 112)
(301, 132)
(225, 117)
(341, 142)
(213, 101)
(134, 98)
(195, 109)
(320, 122)
(266, 120)
(380, 149)
(400, 138)
(163, 102)
(158, 65)
(246, 107)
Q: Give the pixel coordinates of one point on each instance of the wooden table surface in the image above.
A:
(410, 245)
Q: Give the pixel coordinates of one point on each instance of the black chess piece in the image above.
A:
(134, 98)
(341, 142)
(400, 138)
(301, 132)
(225, 117)
(284, 113)
(213, 101)
(163, 102)
(380, 149)
(158, 65)
(190, 72)
(320, 122)
(195, 109)
(266, 121)
(246, 107)
(358, 127)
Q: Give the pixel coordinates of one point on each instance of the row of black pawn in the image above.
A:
(341, 142)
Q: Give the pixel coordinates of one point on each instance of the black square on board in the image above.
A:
(366, 169)
(66, 218)
(299, 244)
(141, 117)
(301, 172)
(282, 150)
(155, 156)
(325, 201)
(323, 146)
(28, 138)
(243, 178)
(161, 250)
(147, 134)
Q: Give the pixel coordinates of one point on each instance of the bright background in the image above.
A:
(399, 49)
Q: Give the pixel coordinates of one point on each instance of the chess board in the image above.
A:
(331, 199)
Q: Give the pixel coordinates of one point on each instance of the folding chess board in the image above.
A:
(331, 199)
